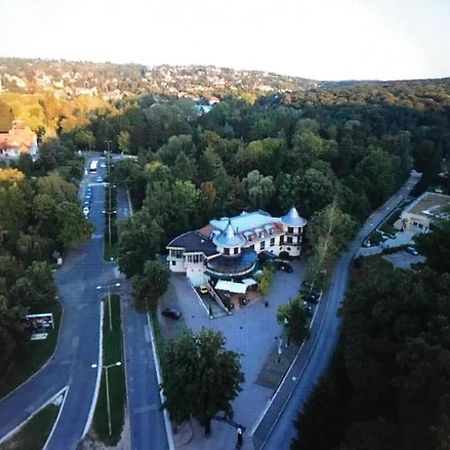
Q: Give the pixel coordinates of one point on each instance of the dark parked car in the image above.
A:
(171, 313)
(285, 266)
(411, 251)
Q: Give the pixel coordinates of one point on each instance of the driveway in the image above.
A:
(251, 331)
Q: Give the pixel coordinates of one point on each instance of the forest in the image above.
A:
(388, 384)
(40, 214)
(336, 154)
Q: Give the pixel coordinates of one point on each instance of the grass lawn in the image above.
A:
(34, 434)
(110, 251)
(112, 352)
(34, 355)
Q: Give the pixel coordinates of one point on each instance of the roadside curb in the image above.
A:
(167, 423)
(36, 411)
(99, 376)
(65, 390)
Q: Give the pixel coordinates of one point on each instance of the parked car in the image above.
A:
(171, 313)
(86, 203)
(309, 309)
(86, 211)
(312, 299)
(411, 251)
(203, 289)
(285, 266)
(366, 243)
(99, 179)
(306, 284)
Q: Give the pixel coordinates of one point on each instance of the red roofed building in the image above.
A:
(20, 139)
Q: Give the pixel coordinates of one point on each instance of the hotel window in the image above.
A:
(226, 251)
(252, 247)
(235, 250)
(262, 245)
(290, 229)
(289, 240)
(282, 239)
(176, 253)
(272, 242)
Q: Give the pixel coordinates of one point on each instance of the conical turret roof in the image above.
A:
(293, 218)
(228, 237)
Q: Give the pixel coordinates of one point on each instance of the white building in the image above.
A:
(418, 216)
(227, 248)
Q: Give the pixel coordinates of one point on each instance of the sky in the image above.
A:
(319, 39)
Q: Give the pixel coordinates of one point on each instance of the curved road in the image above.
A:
(276, 429)
(78, 343)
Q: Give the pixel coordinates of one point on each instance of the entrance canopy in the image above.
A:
(249, 282)
(230, 286)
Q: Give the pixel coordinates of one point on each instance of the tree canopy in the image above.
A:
(202, 377)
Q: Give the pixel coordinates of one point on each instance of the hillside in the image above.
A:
(113, 81)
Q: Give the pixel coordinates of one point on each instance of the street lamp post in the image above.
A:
(109, 286)
(108, 402)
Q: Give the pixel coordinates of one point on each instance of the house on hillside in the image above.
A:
(19, 140)
(227, 248)
(419, 215)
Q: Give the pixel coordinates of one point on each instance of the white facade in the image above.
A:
(418, 216)
(232, 239)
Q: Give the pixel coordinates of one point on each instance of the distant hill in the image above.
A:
(112, 81)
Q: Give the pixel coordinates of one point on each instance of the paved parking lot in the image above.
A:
(403, 259)
(251, 331)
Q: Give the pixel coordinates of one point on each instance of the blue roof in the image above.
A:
(245, 221)
(228, 237)
(293, 219)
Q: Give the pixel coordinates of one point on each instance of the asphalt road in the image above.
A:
(277, 429)
(78, 343)
(147, 428)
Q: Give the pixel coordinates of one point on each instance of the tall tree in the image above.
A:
(149, 286)
(202, 377)
(259, 189)
(294, 317)
(140, 239)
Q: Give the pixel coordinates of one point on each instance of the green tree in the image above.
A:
(139, 241)
(123, 142)
(57, 188)
(150, 285)
(35, 288)
(185, 168)
(202, 378)
(73, 228)
(436, 246)
(329, 232)
(259, 189)
(294, 317)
